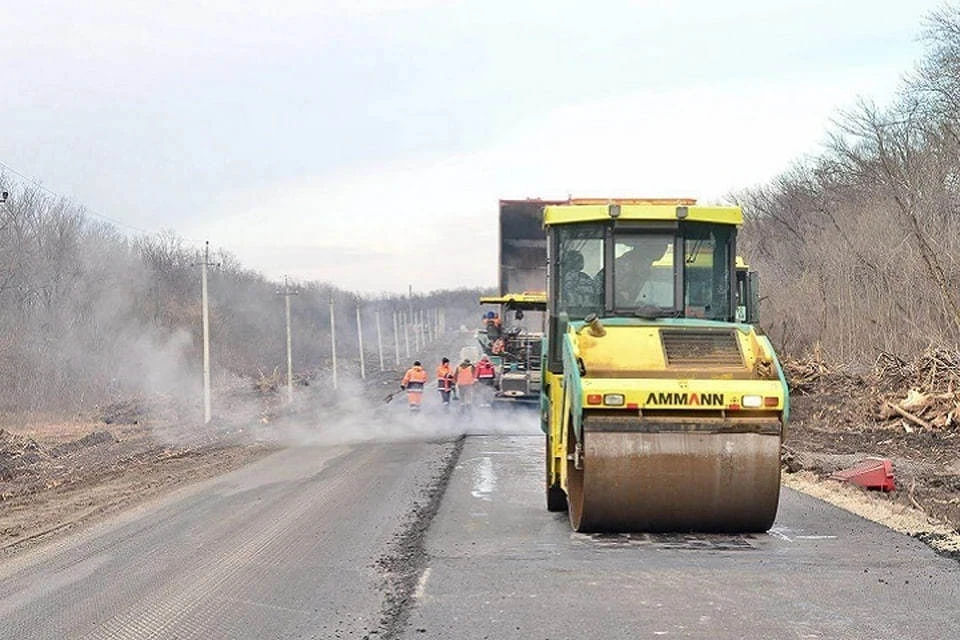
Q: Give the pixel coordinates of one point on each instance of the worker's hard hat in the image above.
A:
(416, 363)
(445, 361)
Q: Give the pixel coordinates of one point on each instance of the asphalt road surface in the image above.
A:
(450, 538)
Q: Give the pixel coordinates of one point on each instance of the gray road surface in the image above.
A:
(499, 567)
(370, 541)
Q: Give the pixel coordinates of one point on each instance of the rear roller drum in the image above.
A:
(674, 481)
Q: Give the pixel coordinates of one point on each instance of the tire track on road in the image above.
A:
(404, 562)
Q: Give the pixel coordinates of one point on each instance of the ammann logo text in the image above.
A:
(687, 399)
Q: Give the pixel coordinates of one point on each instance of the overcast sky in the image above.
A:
(366, 142)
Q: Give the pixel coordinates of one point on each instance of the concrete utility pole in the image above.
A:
(423, 328)
(205, 314)
(396, 336)
(379, 340)
(333, 342)
(286, 293)
(363, 370)
(416, 332)
(411, 322)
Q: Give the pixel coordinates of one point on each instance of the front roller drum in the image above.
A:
(682, 480)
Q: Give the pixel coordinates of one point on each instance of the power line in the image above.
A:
(86, 210)
(53, 193)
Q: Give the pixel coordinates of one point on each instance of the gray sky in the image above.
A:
(366, 142)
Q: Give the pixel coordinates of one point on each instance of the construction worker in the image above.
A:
(413, 381)
(485, 371)
(445, 381)
(576, 287)
(493, 325)
(466, 375)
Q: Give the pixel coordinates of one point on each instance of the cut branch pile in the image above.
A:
(932, 379)
(934, 371)
(810, 375)
(268, 383)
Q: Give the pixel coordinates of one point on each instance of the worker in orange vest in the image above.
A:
(466, 376)
(413, 381)
(445, 381)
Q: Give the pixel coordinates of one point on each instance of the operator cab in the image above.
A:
(644, 261)
(621, 269)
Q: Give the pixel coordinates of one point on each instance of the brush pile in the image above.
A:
(922, 393)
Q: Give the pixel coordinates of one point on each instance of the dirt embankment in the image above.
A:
(57, 476)
(906, 411)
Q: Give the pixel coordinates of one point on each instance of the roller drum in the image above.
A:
(675, 477)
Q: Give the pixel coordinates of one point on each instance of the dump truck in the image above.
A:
(521, 303)
(663, 405)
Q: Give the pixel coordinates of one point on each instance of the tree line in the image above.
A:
(89, 315)
(858, 250)
(859, 247)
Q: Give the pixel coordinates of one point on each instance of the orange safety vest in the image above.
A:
(465, 375)
(444, 377)
(414, 379)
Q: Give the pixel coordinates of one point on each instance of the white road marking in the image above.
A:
(421, 584)
(780, 534)
(485, 479)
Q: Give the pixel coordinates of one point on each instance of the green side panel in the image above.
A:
(544, 393)
(783, 379)
(572, 384)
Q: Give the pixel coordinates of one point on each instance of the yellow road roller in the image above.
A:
(663, 404)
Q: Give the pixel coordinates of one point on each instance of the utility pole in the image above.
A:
(333, 342)
(416, 332)
(286, 293)
(205, 314)
(396, 336)
(410, 321)
(423, 329)
(363, 370)
(379, 340)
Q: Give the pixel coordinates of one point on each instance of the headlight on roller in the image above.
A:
(751, 402)
(613, 399)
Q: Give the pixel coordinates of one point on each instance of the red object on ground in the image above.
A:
(872, 473)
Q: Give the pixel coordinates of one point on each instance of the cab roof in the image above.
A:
(640, 209)
(527, 301)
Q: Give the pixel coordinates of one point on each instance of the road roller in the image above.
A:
(663, 403)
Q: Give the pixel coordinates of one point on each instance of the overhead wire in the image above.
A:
(87, 210)
(36, 183)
